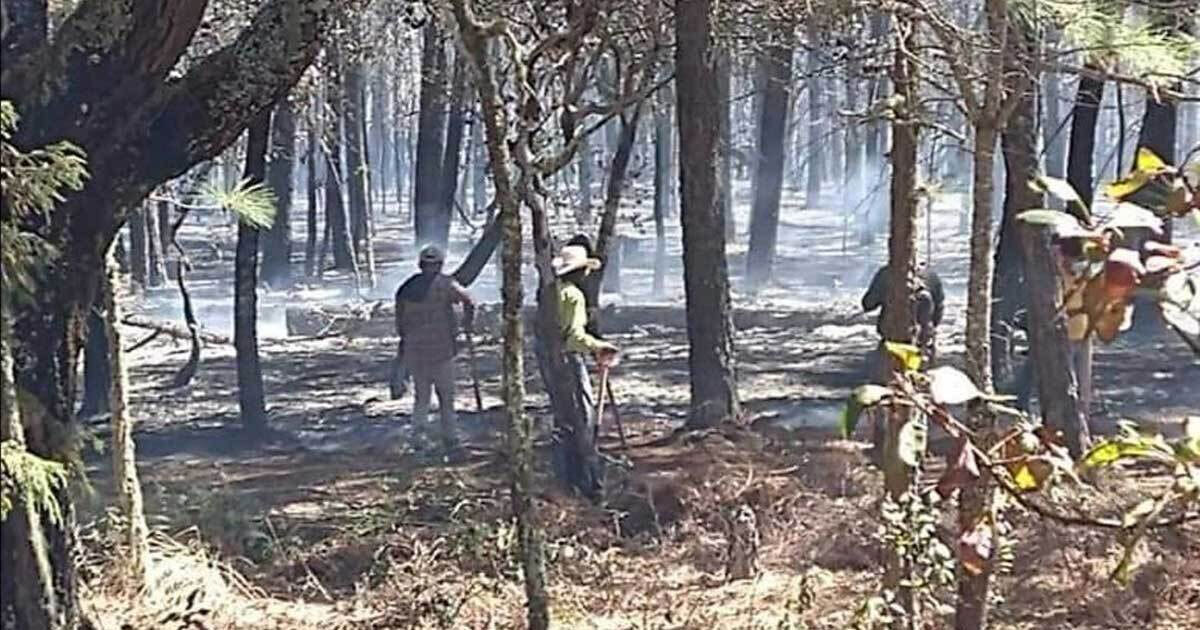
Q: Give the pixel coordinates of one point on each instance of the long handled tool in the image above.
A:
(607, 392)
(474, 371)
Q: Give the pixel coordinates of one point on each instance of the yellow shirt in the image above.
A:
(572, 317)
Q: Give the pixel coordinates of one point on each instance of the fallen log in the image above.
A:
(174, 330)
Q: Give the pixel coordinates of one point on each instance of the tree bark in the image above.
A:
(776, 62)
(124, 462)
(358, 167)
(606, 240)
(310, 224)
(96, 374)
(337, 216)
(139, 251)
(725, 91)
(431, 131)
(138, 131)
(662, 182)
(251, 403)
(452, 156)
(814, 154)
(479, 168)
(155, 260)
(520, 426)
(714, 397)
(277, 247)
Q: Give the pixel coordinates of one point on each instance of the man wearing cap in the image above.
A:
(428, 328)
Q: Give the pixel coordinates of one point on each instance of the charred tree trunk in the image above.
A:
(1080, 159)
(358, 167)
(479, 168)
(452, 156)
(139, 250)
(251, 403)
(607, 239)
(155, 261)
(337, 217)
(814, 155)
(277, 248)
(431, 132)
(310, 224)
(96, 376)
(380, 114)
(714, 397)
(776, 62)
(725, 91)
(586, 181)
(662, 182)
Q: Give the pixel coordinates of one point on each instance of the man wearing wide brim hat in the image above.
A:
(572, 266)
(428, 331)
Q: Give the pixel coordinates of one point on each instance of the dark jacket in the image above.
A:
(930, 304)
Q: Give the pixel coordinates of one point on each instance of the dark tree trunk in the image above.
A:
(138, 132)
(586, 179)
(725, 91)
(471, 266)
(776, 66)
(356, 162)
(310, 228)
(139, 249)
(1054, 131)
(337, 216)
(1019, 146)
(1049, 348)
(714, 397)
(662, 182)
(608, 246)
(156, 262)
(380, 147)
(479, 168)
(25, 27)
(164, 230)
(277, 247)
(1084, 117)
(251, 401)
(431, 132)
(452, 156)
(96, 375)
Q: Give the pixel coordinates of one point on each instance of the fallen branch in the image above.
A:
(171, 330)
(151, 337)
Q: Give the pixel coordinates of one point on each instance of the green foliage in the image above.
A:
(30, 480)
(31, 182)
(862, 398)
(254, 204)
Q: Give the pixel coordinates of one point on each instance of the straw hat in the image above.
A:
(572, 258)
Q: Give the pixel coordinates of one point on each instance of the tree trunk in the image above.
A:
(852, 184)
(452, 156)
(714, 398)
(310, 227)
(358, 167)
(336, 215)
(776, 62)
(979, 286)
(139, 251)
(155, 261)
(1080, 157)
(899, 323)
(586, 179)
(251, 402)
(607, 239)
(431, 132)
(725, 91)
(662, 182)
(814, 154)
(479, 168)
(277, 248)
(520, 426)
(129, 489)
(380, 113)
(96, 376)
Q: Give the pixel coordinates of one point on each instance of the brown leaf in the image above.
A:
(962, 471)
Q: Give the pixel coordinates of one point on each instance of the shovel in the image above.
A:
(607, 392)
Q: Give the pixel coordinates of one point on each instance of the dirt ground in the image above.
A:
(350, 518)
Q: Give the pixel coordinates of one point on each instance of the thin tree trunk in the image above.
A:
(277, 247)
(129, 489)
(776, 62)
(714, 397)
(607, 239)
(452, 155)
(96, 376)
(431, 131)
(139, 252)
(156, 263)
(479, 167)
(725, 91)
(358, 168)
(251, 403)
(662, 182)
(814, 154)
(310, 228)
(586, 179)
(899, 324)
(520, 426)
(336, 215)
(380, 114)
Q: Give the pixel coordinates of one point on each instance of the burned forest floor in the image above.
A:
(348, 515)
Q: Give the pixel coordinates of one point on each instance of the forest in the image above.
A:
(599, 314)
